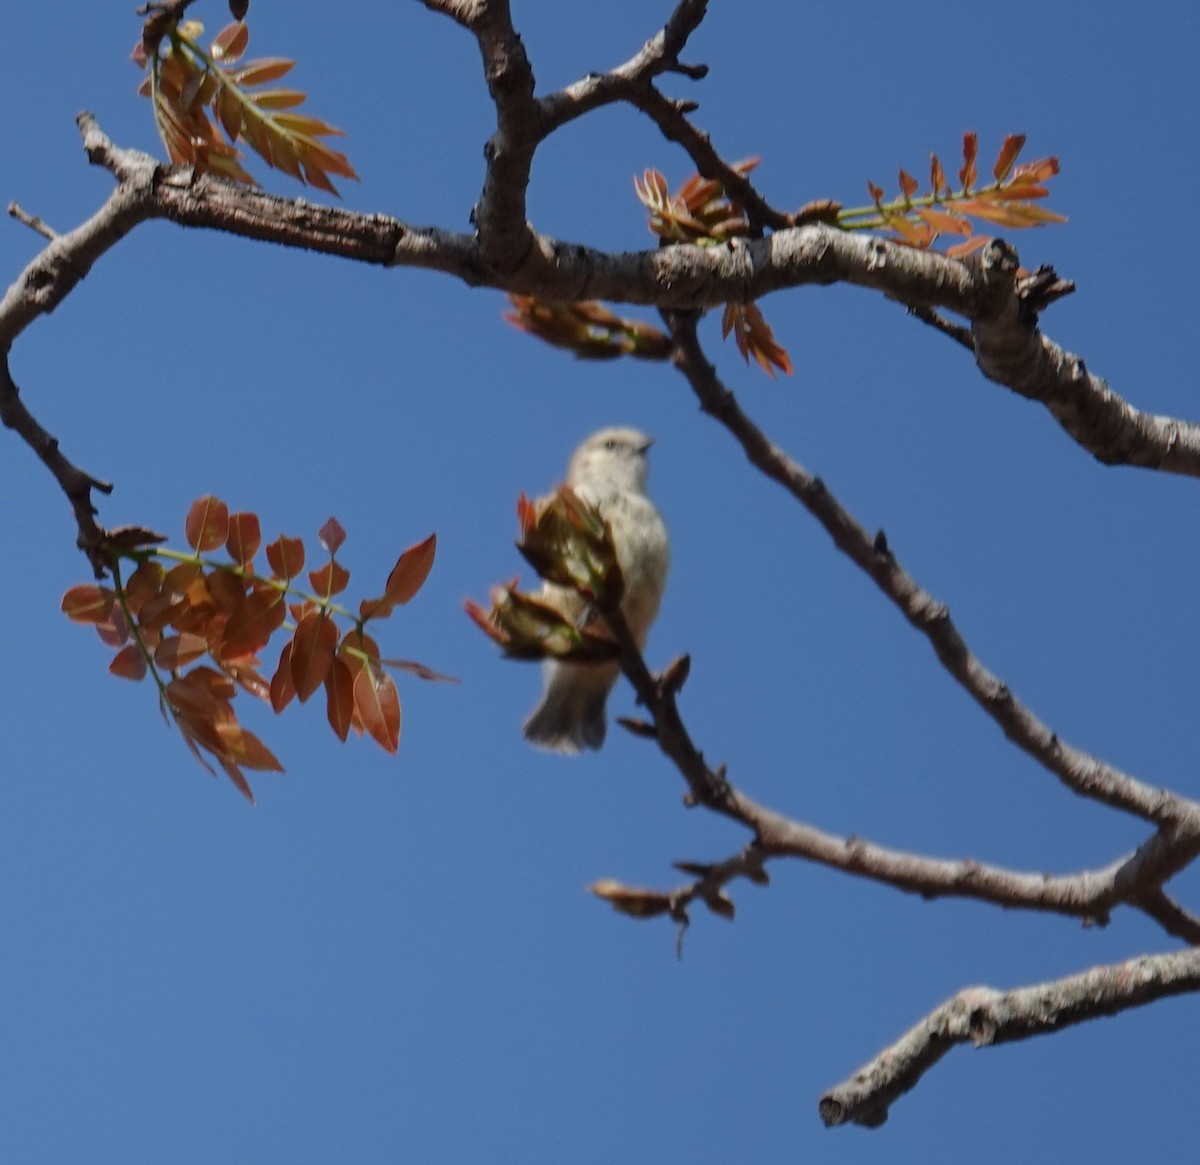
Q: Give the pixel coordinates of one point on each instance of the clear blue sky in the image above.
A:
(394, 959)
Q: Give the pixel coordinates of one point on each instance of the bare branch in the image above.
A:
(1090, 895)
(1079, 771)
(76, 484)
(983, 1016)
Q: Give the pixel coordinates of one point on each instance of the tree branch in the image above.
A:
(1090, 895)
(984, 1016)
(1080, 772)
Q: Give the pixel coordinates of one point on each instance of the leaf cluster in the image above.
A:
(920, 220)
(200, 628)
(570, 545)
(588, 328)
(194, 92)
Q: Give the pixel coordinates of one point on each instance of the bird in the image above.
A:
(607, 471)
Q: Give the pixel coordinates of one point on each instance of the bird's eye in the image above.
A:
(610, 443)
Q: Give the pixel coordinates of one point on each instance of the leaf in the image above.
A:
(261, 71)
(129, 663)
(143, 585)
(339, 697)
(944, 223)
(908, 184)
(937, 176)
(286, 557)
(244, 748)
(331, 579)
(88, 603)
(961, 250)
(279, 98)
(970, 151)
(283, 691)
(207, 524)
(408, 576)
(244, 537)
(177, 651)
(1013, 144)
(378, 704)
(261, 614)
(331, 535)
(629, 900)
(231, 42)
(419, 670)
(313, 646)
(229, 112)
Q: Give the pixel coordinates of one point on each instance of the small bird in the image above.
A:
(607, 471)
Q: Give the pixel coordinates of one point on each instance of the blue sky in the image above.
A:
(395, 959)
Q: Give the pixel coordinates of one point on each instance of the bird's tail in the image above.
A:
(570, 716)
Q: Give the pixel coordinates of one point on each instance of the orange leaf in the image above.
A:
(129, 663)
(378, 704)
(244, 538)
(947, 224)
(313, 646)
(207, 524)
(286, 556)
(961, 250)
(339, 697)
(238, 778)
(331, 579)
(908, 184)
(88, 603)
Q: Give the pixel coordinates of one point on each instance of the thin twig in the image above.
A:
(31, 220)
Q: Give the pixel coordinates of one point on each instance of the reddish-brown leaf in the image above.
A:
(339, 697)
(876, 192)
(1013, 144)
(970, 151)
(908, 184)
(229, 111)
(278, 98)
(178, 651)
(407, 577)
(143, 584)
(114, 631)
(261, 71)
(230, 42)
(526, 515)
(937, 176)
(181, 576)
(282, 688)
(331, 535)
(244, 748)
(378, 704)
(207, 524)
(238, 778)
(313, 646)
(88, 603)
(331, 579)
(244, 538)
(129, 663)
(243, 674)
(419, 670)
(261, 614)
(227, 591)
(286, 556)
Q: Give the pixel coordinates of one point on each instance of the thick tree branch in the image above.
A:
(1080, 772)
(983, 1016)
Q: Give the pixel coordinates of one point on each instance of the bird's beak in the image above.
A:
(646, 445)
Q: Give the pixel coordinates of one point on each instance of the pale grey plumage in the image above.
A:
(609, 471)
